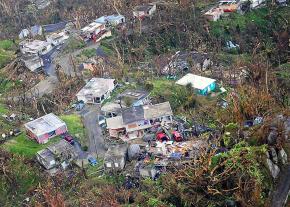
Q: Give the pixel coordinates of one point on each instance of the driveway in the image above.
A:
(48, 60)
(94, 131)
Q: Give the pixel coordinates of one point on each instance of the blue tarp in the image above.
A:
(36, 30)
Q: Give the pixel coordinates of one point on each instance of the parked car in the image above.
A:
(68, 138)
(176, 136)
(92, 161)
(161, 137)
(102, 121)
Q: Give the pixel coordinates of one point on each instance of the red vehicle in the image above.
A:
(176, 136)
(69, 138)
(161, 137)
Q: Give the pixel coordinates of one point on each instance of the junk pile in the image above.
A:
(152, 158)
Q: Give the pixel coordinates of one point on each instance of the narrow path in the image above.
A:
(65, 60)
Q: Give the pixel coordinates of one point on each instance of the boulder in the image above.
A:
(274, 169)
(282, 155)
(287, 129)
(272, 137)
(274, 155)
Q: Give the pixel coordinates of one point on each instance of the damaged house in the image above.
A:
(45, 128)
(38, 47)
(214, 14)
(57, 38)
(61, 153)
(143, 11)
(135, 121)
(115, 158)
(96, 90)
(33, 62)
(183, 61)
(128, 98)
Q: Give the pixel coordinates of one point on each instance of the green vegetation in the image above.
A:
(7, 85)
(284, 71)
(89, 52)
(74, 44)
(106, 47)
(22, 145)
(179, 97)
(6, 44)
(3, 109)
(75, 127)
(6, 52)
(257, 17)
(17, 178)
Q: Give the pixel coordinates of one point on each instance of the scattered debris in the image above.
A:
(143, 11)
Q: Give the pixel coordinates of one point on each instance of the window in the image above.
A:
(97, 100)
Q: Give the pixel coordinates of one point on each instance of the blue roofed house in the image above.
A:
(202, 85)
(113, 20)
(36, 30)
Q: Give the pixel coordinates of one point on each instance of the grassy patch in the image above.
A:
(89, 52)
(6, 44)
(7, 51)
(179, 97)
(24, 146)
(3, 109)
(160, 85)
(106, 47)
(74, 44)
(257, 17)
(75, 127)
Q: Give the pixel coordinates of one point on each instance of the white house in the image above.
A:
(96, 90)
(203, 85)
(144, 10)
(35, 47)
(57, 38)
